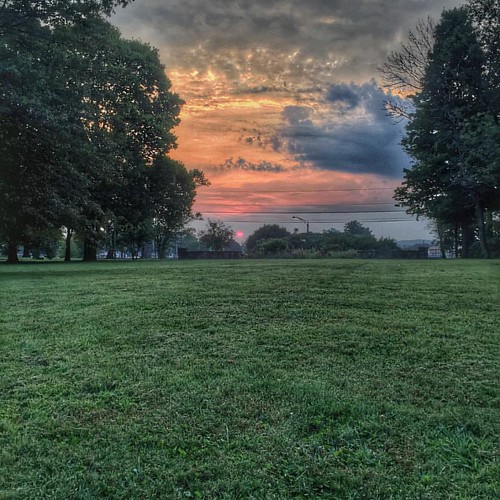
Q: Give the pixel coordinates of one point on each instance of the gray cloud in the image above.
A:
(300, 41)
(296, 115)
(364, 141)
(242, 164)
(305, 49)
(344, 94)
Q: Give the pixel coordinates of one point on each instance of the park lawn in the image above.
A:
(250, 379)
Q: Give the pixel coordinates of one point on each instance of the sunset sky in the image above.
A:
(283, 108)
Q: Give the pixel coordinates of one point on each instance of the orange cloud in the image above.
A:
(221, 126)
(216, 124)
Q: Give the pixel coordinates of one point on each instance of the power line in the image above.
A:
(302, 190)
(336, 205)
(249, 212)
(246, 221)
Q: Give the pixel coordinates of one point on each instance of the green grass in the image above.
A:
(250, 379)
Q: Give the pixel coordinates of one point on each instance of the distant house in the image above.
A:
(434, 252)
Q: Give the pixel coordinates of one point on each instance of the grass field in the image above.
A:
(250, 379)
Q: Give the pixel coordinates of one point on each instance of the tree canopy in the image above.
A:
(15, 15)
(217, 235)
(272, 240)
(87, 121)
(403, 73)
(355, 228)
(453, 133)
(265, 232)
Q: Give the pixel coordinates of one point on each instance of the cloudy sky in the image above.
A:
(283, 108)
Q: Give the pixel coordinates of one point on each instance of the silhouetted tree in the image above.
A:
(453, 137)
(355, 228)
(403, 73)
(266, 232)
(217, 236)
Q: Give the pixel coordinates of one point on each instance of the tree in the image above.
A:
(485, 15)
(271, 246)
(35, 137)
(51, 12)
(172, 190)
(189, 240)
(129, 116)
(479, 169)
(217, 236)
(40, 128)
(266, 232)
(84, 115)
(403, 73)
(355, 228)
(455, 175)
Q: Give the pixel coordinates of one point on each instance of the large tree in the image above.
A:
(36, 136)
(355, 228)
(40, 114)
(16, 15)
(129, 113)
(454, 177)
(84, 115)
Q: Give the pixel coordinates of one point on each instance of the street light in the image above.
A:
(306, 222)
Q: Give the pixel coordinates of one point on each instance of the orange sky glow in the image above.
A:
(283, 111)
(217, 127)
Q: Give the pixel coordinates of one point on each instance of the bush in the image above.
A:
(266, 232)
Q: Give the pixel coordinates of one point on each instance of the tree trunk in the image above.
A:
(489, 224)
(455, 242)
(481, 229)
(111, 255)
(67, 250)
(160, 248)
(465, 241)
(89, 250)
(146, 251)
(12, 254)
(441, 240)
(26, 252)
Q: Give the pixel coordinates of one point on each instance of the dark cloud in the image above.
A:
(262, 89)
(344, 94)
(296, 48)
(364, 141)
(296, 115)
(302, 41)
(242, 164)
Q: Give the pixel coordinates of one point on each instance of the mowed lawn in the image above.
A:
(250, 379)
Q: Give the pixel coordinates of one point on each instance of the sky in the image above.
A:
(283, 107)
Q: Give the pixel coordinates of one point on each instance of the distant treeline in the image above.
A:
(272, 240)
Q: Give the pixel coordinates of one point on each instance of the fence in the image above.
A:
(184, 253)
(420, 253)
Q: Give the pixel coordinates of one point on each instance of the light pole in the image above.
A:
(306, 222)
